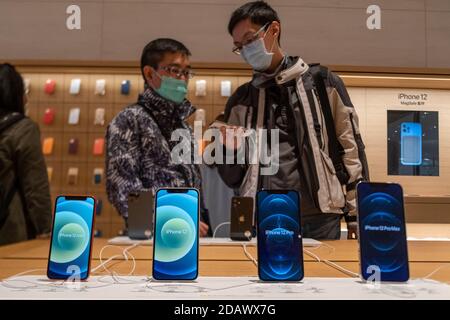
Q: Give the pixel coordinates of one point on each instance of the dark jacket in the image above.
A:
(139, 149)
(290, 99)
(22, 167)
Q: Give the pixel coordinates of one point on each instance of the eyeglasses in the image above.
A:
(178, 72)
(254, 37)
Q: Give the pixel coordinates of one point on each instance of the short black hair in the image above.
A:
(259, 12)
(11, 90)
(154, 52)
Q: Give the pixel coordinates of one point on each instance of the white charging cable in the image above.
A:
(244, 246)
(219, 226)
(43, 285)
(124, 256)
(331, 264)
(428, 276)
(116, 277)
(323, 244)
(12, 278)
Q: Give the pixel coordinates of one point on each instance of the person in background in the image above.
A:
(139, 138)
(25, 204)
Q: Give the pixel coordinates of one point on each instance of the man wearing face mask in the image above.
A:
(321, 154)
(139, 138)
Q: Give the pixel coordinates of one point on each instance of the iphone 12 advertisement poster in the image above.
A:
(413, 143)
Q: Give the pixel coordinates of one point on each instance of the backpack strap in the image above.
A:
(335, 149)
(6, 122)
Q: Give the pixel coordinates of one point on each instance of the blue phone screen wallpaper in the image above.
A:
(176, 235)
(382, 232)
(71, 238)
(280, 256)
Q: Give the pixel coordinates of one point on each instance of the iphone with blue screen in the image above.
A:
(280, 246)
(411, 144)
(382, 232)
(176, 233)
(71, 239)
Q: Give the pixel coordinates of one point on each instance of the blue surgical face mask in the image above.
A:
(256, 55)
(172, 89)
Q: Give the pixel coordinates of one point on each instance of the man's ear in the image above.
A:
(148, 74)
(276, 28)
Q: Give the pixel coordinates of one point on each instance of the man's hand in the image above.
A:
(203, 229)
(230, 136)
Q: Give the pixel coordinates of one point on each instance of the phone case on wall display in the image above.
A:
(200, 88)
(47, 146)
(98, 233)
(50, 174)
(27, 85)
(49, 116)
(73, 146)
(72, 176)
(50, 86)
(99, 119)
(74, 116)
(225, 88)
(98, 147)
(98, 175)
(100, 87)
(75, 86)
(125, 87)
(99, 207)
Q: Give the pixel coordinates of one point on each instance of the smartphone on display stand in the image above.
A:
(140, 215)
(382, 237)
(176, 234)
(241, 220)
(71, 238)
(280, 245)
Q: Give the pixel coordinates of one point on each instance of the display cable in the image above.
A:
(219, 226)
(331, 264)
(52, 284)
(125, 255)
(428, 276)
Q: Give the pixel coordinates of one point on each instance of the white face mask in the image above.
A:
(256, 55)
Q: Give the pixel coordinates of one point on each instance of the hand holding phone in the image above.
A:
(230, 136)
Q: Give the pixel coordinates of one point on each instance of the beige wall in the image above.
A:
(372, 105)
(415, 33)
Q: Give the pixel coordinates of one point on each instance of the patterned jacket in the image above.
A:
(139, 149)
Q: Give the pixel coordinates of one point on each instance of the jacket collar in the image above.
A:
(290, 68)
(162, 109)
(296, 70)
